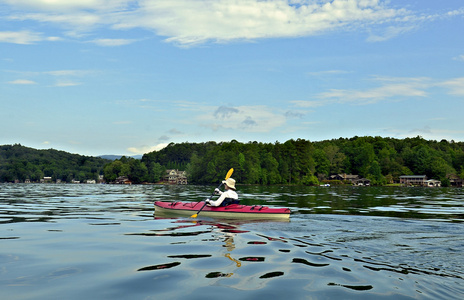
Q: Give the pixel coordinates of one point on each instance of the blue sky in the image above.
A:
(126, 77)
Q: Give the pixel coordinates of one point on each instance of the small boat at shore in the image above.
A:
(229, 211)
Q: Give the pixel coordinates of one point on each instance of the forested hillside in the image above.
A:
(20, 163)
(382, 160)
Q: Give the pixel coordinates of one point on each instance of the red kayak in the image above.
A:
(230, 211)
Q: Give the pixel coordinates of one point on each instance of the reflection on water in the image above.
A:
(326, 263)
(92, 241)
(158, 267)
(238, 264)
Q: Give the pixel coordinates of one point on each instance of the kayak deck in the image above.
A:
(230, 211)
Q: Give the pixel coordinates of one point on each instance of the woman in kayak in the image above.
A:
(229, 196)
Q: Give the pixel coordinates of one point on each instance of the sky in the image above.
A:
(99, 77)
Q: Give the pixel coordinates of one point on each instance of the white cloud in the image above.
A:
(391, 88)
(20, 37)
(112, 42)
(59, 73)
(146, 149)
(22, 81)
(66, 5)
(309, 104)
(188, 22)
(390, 32)
(456, 86)
(75, 22)
(456, 12)
(459, 58)
(25, 37)
(374, 95)
(53, 39)
(62, 78)
(258, 118)
(62, 83)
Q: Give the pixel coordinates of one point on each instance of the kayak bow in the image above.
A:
(230, 211)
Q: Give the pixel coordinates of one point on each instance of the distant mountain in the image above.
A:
(114, 157)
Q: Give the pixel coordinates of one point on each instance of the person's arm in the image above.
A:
(218, 202)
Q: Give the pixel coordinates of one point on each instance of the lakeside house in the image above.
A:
(433, 183)
(46, 179)
(345, 177)
(173, 176)
(419, 180)
(455, 180)
(353, 179)
(413, 180)
(362, 182)
(123, 180)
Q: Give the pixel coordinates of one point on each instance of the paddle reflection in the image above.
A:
(228, 232)
(184, 229)
(239, 264)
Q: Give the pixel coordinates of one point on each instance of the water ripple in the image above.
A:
(340, 243)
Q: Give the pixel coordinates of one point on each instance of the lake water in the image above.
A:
(104, 242)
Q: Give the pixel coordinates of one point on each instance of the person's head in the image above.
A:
(229, 183)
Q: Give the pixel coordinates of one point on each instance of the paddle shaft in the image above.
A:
(227, 177)
(206, 202)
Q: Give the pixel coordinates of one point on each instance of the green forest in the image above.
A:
(382, 160)
(379, 159)
(19, 163)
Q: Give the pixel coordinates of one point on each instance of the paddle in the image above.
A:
(227, 177)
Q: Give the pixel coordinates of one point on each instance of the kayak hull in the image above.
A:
(230, 211)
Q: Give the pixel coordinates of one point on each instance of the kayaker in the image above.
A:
(229, 196)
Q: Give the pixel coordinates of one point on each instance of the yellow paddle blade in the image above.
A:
(229, 173)
(194, 216)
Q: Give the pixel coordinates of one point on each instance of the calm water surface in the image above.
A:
(103, 242)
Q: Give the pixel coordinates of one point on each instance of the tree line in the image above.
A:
(380, 159)
(22, 163)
